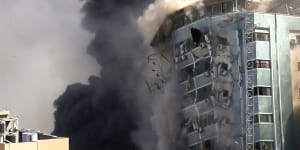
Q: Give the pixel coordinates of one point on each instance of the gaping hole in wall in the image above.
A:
(222, 40)
(262, 91)
(197, 36)
(263, 118)
(225, 93)
(264, 145)
(223, 69)
(261, 36)
(226, 98)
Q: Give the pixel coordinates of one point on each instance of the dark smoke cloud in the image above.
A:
(103, 115)
(95, 118)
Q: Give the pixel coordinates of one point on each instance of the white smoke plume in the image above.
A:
(156, 12)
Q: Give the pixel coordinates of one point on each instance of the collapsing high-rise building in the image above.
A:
(238, 72)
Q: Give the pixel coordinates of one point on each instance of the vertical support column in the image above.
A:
(249, 34)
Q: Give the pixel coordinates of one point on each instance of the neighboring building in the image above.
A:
(239, 73)
(11, 138)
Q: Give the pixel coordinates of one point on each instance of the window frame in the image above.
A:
(259, 64)
(258, 145)
(257, 119)
(259, 90)
(261, 35)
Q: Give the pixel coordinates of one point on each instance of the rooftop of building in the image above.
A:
(4, 113)
(11, 134)
(193, 12)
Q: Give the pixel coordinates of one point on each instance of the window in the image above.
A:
(298, 66)
(206, 119)
(262, 91)
(263, 118)
(188, 99)
(298, 39)
(208, 145)
(262, 145)
(204, 93)
(227, 7)
(202, 66)
(261, 36)
(186, 73)
(262, 64)
(258, 64)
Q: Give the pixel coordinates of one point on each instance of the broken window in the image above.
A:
(206, 119)
(225, 93)
(263, 118)
(223, 69)
(264, 145)
(188, 99)
(202, 66)
(258, 36)
(262, 91)
(204, 92)
(186, 73)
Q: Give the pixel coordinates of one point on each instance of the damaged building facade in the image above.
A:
(238, 73)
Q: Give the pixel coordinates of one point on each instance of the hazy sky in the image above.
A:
(42, 50)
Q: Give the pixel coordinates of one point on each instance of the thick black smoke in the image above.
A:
(103, 115)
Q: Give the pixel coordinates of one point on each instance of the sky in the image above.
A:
(42, 50)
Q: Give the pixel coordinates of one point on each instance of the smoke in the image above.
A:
(41, 52)
(107, 113)
(95, 117)
(156, 12)
(165, 118)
